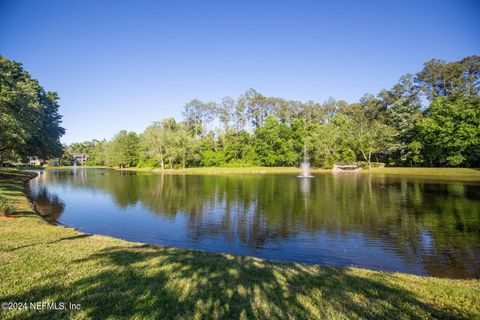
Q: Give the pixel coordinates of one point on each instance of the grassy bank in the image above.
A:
(227, 170)
(111, 278)
(72, 167)
(437, 172)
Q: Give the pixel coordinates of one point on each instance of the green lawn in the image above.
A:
(227, 170)
(447, 173)
(438, 172)
(111, 278)
(72, 167)
(207, 170)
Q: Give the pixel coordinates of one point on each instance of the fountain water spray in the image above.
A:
(305, 165)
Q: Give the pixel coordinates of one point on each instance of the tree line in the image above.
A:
(431, 118)
(30, 124)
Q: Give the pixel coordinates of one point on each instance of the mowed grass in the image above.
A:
(470, 173)
(226, 170)
(461, 173)
(115, 279)
(73, 167)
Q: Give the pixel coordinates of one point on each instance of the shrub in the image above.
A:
(148, 162)
(213, 159)
(237, 163)
(6, 206)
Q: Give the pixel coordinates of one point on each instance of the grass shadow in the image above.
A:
(165, 283)
(80, 236)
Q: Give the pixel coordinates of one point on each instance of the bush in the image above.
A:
(6, 206)
(148, 162)
(213, 159)
(239, 163)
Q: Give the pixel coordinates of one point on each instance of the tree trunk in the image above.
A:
(367, 158)
(160, 155)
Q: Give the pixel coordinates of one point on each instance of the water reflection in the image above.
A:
(49, 206)
(405, 224)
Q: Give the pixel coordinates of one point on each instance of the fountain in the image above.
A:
(305, 165)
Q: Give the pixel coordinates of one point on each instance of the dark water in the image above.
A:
(407, 224)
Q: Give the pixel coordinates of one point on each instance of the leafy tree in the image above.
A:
(450, 133)
(332, 142)
(240, 114)
(370, 136)
(238, 147)
(193, 116)
(402, 107)
(330, 108)
(122, 151)
(152, 142)
(29, 118)
(66, 157)
(453, 79)
(96, 153)
(311, 112)
(212, 158)
(186, 145)
(225, 112)
(198, 115)
(275, 144)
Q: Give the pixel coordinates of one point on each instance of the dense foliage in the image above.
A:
(428, 119)
(431, 118)
(29, 118)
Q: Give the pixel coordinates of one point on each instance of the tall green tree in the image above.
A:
(331, 142)
(370, 136)
(186, 145)
(450, 79)
(122, 151)
(96, 154)
(153, 141)
(225, 112)
(402, 110)
(29, 118)
(450, 133)
(276, 144)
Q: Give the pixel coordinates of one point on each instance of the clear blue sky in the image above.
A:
(123, 64)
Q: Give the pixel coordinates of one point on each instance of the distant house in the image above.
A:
(79, 159)
(35, 161)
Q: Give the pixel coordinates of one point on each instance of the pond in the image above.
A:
(409, 224)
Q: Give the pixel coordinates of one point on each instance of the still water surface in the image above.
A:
(417, 225)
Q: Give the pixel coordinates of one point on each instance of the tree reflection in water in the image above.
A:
(432, 225)
(49, 206)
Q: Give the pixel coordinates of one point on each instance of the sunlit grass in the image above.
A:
(439, 172)
(111, 278)
(74, 167)
(226, 170)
